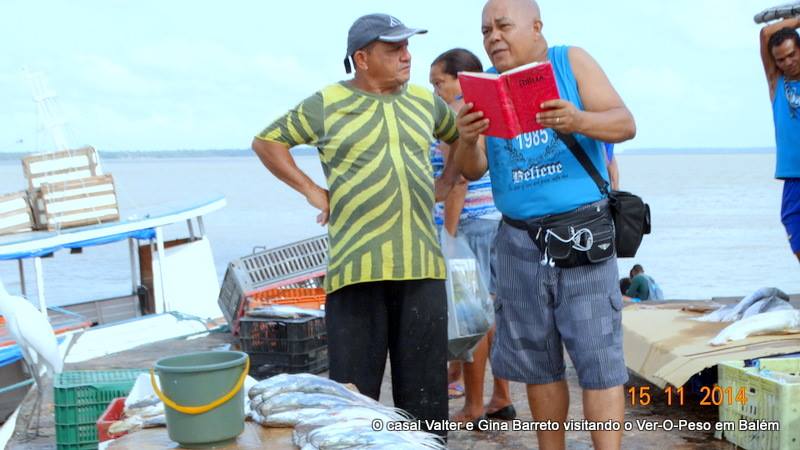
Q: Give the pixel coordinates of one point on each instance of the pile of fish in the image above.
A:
(766, 310)
(769, 322)
(143, 409)
(328, 415)
(763, 300)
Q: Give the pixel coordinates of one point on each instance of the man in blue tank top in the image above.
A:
(539, 307)
(780, 53)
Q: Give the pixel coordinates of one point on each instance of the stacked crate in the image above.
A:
(67, 189)
(298, 265)
(287, 275)
(15, 213)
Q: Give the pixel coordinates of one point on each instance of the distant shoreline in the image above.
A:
(7, 156)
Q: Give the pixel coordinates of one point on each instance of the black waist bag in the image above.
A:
(631, 220)
(631, 214)
(576, 238)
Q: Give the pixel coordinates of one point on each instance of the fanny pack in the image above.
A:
(630, 213)
(575, 238)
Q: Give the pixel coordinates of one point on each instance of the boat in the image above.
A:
(173, 286)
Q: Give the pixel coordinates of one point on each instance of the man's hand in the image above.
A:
(319, 198)
(470, 124)
(560, 115)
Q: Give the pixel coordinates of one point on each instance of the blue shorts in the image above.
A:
(790, 211)
(539, 310)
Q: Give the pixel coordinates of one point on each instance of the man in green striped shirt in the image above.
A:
(385, 271)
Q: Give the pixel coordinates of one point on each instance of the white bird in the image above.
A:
(35, 338)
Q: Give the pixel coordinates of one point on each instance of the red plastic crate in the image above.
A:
(311, 298)
(112, 414)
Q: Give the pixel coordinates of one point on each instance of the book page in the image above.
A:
(527, 89)
(488, 95)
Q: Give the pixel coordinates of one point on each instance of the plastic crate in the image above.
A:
(289, 359)
(113, 413)
(311, 298)
(316, 362)
(298, 265)
(768, 399)
(81, 397)
(260, 329)
(296, 346)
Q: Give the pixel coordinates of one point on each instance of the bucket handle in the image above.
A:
(194, 410)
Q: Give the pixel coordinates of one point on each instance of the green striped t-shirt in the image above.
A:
(374, 152)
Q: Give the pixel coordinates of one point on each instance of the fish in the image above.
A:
(775, 321)
(729, 313)
(348, 414)
(150, 400)
(126, 425)
(155, 421)
(303, 382)
(300, 400)
(284, 312)
(343, 436)
(286, 419)
(146, 411)
(767, 305)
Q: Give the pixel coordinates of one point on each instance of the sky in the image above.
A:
(166, 75)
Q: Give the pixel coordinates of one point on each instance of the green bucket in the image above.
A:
(203, 396)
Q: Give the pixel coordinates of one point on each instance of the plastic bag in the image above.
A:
(470, 313)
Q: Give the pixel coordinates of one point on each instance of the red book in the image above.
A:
(512, 99)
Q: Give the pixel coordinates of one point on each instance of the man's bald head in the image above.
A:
(512, 33)
(527, 10)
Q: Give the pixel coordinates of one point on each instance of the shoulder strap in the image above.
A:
(580, 154)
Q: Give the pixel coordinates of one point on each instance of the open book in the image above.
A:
(512, 99)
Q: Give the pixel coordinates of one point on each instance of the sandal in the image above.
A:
(505, 413)
(455, 390)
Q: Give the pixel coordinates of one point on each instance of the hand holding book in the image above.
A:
(511, 100)
(560, 115)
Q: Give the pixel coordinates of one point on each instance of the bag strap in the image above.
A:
(580, 154)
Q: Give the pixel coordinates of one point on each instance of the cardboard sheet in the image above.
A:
(664, 346)
(254, 437)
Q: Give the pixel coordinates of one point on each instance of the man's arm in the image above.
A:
(453, 205)
(471, 157)
(278, 160)
(454, 201)
(770, 69)
(604, 117)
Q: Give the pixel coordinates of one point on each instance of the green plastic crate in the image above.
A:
(768, 399)
(80, 399)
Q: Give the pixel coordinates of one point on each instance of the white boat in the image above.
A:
(184, 280)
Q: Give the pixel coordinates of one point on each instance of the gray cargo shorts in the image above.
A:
(541, 309)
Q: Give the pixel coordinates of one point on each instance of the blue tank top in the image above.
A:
(786, 114)
(535, 174)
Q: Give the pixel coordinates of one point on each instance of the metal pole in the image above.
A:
(22, 277)
(134, 274)
(191, 229)
(201, 226)
(161, 270)
(37, 266)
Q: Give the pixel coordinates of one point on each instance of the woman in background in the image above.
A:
(469, 211)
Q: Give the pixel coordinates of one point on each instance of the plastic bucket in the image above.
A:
(203, 396)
